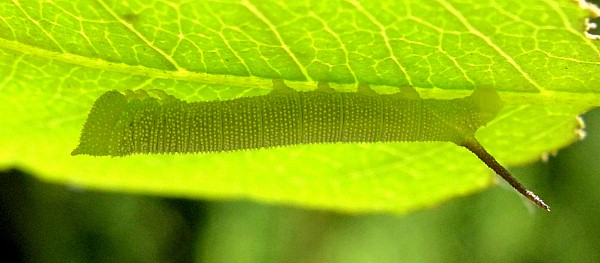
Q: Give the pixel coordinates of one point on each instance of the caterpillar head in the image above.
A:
(97, 136)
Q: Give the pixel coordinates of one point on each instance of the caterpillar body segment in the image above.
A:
(137, 123)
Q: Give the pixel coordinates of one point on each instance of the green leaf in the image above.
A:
(57, 57)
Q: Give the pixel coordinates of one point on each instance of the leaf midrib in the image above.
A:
(546, 97)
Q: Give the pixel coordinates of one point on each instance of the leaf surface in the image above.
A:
(57, 57)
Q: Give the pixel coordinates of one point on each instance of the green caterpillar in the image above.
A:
(137, 123)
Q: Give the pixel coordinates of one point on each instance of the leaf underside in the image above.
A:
(57, 57)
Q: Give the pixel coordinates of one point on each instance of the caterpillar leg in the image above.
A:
(475, 147)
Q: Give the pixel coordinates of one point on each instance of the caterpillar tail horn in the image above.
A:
(475, 147)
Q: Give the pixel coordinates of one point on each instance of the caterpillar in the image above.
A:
(138, 123)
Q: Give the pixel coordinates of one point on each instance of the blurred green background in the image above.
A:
(44, 222)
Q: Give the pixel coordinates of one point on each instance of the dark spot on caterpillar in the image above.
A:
(137, 123)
